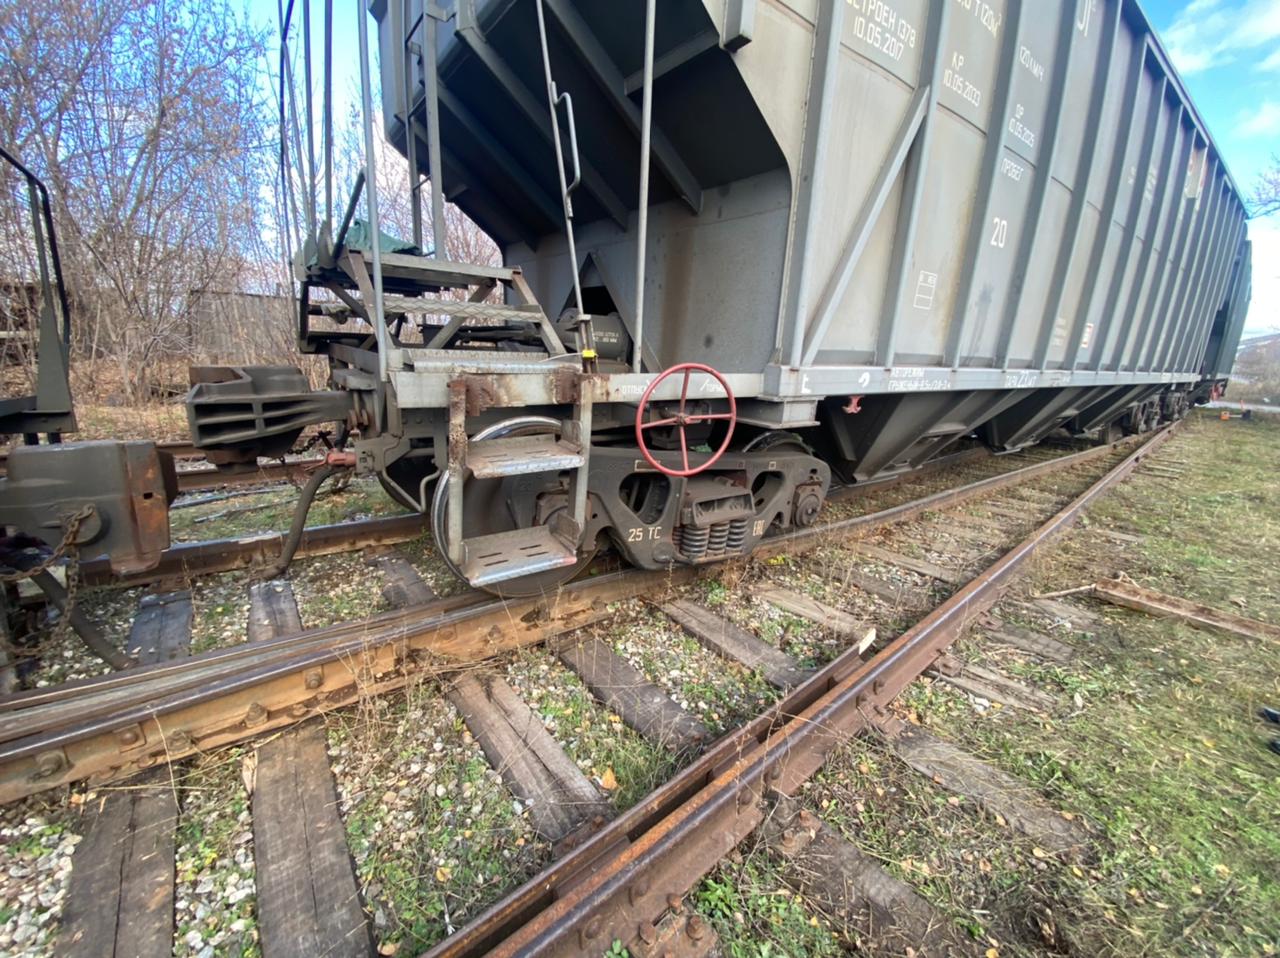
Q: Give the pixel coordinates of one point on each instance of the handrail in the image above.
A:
(350, 213)
(642, 204)
(371, 195)
(567, 100)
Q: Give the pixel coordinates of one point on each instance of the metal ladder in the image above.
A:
(489, 559)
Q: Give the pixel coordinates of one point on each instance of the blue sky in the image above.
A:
(1228, 53)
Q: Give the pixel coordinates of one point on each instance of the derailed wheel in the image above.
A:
(504, 504)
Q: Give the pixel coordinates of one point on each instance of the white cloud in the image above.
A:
(1210, 33)
(1264, 120)
(1271, 63)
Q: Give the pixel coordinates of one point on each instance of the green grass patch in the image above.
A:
(1157, 744)
(756, 915)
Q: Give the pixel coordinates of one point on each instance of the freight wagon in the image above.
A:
(747, 246)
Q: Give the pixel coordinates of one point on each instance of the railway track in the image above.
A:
(188, 560)
(614, 877)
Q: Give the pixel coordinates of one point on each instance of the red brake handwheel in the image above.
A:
(682, 419)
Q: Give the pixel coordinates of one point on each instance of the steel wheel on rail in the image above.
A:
(505, 504)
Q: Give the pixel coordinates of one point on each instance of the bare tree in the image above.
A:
(148, 122)
(1266, 193)
(467, 243)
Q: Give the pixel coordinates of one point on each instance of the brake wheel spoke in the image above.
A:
(683, 419)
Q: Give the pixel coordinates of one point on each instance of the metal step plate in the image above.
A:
(510, 555)
(432, 272)
(521, 455)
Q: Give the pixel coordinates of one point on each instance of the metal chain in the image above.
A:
(321, 436)
(63, 625)
(66, 547)
(71, 524)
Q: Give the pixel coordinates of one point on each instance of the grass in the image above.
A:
(722, 694)
(156, 421)
(622, 763)
(1157, 745)
(756, 915)
(434, 833)
(1154, 745)
(249, 514)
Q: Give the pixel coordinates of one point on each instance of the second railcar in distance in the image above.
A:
(874, 227)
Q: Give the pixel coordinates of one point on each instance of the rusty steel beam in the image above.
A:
(621, 881)
(210, 477)
(117, 725)
(190, 559)
(283, 691)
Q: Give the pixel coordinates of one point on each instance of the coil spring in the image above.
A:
(737, 535)
(719, 536)
(677, 538)
(693, 543)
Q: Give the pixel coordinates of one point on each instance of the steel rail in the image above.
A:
(116, 725)
(619, 883)
(275, 470)
(89, 694)
(190, 559)
(88, 697)
(187, 560)
(210, 477)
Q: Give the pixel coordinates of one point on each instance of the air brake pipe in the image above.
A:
(333, 463)
(642, 214)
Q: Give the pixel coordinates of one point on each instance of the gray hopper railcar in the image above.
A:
(869, 229)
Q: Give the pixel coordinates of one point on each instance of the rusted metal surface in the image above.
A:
(150, 490)
(1133, 596)
(178, 448)
(210, 477)
(190, 559)
(197, 477)
(116, 725)
(138, 729)
(106, 498)
(623, 878)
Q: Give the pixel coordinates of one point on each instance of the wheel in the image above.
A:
(778, 439)
(501, 505)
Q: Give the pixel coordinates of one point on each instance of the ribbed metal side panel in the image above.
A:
(864, 195)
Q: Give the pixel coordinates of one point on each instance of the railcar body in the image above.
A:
(877, 227)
